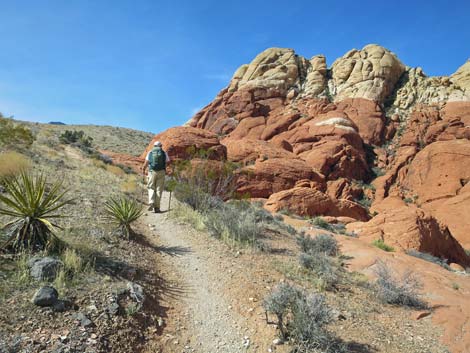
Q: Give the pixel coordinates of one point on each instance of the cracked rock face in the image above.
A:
(369, 73)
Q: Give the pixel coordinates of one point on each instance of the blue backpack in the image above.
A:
(157, 159)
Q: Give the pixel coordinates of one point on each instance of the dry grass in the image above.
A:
(116, 170)
(12, 163)
(186, 214)
(75, 266)
(131, 185)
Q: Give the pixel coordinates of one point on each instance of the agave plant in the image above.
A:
(123, 212)
(32, 204)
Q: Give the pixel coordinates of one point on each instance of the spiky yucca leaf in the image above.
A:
(32, 204)
(123, 211)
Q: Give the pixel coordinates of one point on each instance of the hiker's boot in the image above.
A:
(150, 208)
(157, 210)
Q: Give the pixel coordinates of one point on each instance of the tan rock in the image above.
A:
(370, 73)
(462, 76)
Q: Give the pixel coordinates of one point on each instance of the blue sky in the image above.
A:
(150, 65)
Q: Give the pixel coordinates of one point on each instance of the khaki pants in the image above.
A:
(155, 185)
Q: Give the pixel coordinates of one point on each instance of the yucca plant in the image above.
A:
(32, 204)
(123, 212)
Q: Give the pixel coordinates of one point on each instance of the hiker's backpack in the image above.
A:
(157, 159)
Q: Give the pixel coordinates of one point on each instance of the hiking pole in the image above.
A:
(169, 202)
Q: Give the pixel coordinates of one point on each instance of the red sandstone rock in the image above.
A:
(133, 162)
(312, 202)
(247, 150)
(178, 142)
(409, 227)
(273, 175)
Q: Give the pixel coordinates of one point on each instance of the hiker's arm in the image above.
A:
(144, 167)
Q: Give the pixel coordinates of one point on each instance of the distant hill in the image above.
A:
(56, 123)
(115, 139)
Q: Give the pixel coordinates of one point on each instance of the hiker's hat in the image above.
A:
(158, 144)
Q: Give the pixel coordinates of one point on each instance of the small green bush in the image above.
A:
(321, 223)
(14, 135)
(379, 243)
(76, 137)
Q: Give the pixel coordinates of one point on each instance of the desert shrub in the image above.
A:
(104, 158)
(430, 258)
(279, 302)
(324, 268)
(321, 223)
(364, 201)
(201, 179)
(78, 138)
(379, 243)
(377, 172)
(123, 211)
(302, 318)
(32, 205)
(14, 135)
(13, 163)
(233, 221)
(392, 289)
(310, 316)
(322, 243)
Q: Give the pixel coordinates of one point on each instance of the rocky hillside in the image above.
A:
(110, 138)
(369, 142)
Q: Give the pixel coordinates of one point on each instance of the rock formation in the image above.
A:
(331, 141)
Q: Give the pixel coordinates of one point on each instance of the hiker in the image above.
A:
(157, 160)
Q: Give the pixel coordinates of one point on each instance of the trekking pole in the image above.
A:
(169, 201)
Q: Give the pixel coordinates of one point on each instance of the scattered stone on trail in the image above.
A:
(84, 320)
(422, 314)
(45, 268)
(113, 309)
(45, 296)
(136, 292)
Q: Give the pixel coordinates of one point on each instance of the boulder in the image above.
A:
(439, 171)
(248, 150)
(370, 73)
(45, 296)
(44, 268)
(367, 115)
(133, 162)
(409, 227)
(183, 141)
(312, 202)
(269, 176)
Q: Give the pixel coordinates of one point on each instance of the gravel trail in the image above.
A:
(201, 319)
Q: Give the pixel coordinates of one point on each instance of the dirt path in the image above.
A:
(202, 318)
